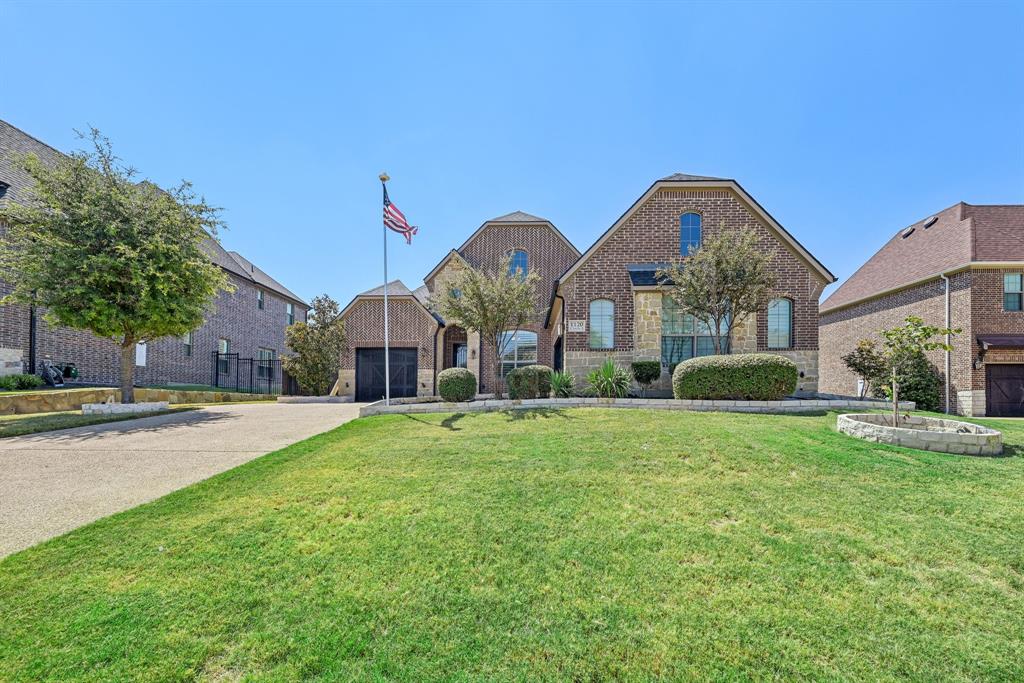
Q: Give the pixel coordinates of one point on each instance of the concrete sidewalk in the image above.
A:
(53, 482)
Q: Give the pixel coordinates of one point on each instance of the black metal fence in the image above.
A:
(248, 375)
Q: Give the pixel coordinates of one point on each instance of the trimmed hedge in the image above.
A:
(20, 382)
(646, 371)
(456, 385)
(532, 381)
(747, 377)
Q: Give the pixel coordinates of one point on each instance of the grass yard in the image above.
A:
(20, 425)
(583, 545)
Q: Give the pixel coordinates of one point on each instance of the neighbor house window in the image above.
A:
(689, 232)
(290, 309)
(1013, 291)
(780, 324)
(602, 324)
(519, 264)
(186, 340)
(259, 299)
(520, 350)
(265, 363)
(455, 293)
(223, 348)
(682, 336)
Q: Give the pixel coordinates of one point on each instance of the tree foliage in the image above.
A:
(106, 253)
(491, 302)
(318, 344)
(866, 362)
(722, 282)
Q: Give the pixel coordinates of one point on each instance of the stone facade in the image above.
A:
(976, 308)
(10, 362)
(925, 433)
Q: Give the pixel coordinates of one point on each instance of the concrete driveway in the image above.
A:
(57, 481)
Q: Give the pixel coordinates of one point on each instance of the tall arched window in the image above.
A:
(780, 324)
(602, 324)
(689, 232)
(519, 262)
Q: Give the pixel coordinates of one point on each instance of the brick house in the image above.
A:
(963, 265)
(604, 302)
(249, 321)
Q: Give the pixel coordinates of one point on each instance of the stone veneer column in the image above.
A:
(473, 354)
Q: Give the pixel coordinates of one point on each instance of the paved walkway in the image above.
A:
(53, 482)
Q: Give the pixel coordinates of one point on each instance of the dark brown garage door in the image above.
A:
(370, 373)
(1004, 392)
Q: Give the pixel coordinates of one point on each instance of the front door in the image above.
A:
(370, 373)
(1004, 390)
(458, 355)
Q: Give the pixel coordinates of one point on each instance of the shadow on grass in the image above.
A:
(451, 422)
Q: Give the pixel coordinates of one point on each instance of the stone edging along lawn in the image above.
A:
(801, 405)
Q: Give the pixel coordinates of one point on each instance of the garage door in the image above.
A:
(370, 373)
(1004, 392)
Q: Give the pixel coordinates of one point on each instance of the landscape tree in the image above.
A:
(866, 362)
(721, 282)
(901, 356)
(104, 252)
(493, 302)
(318, 344)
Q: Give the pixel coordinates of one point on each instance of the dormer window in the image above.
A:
(689, 233)
(519, 264)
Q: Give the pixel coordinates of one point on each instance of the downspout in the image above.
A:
(945, 279)
(559, 296)
(32, 340)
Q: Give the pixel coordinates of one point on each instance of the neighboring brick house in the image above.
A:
(602, 303)
(249, 321)
(427, 344)
(963, 266)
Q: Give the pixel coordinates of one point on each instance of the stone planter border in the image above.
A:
(123, 408)
(696, 405)
(314, 399)
(977, 440)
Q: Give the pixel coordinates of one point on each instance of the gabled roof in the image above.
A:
(398, 290)
(679, 179)
(15, 142)
(517, 218)
(951, 239)
(441, 264)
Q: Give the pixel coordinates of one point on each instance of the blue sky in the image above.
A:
(846, 121)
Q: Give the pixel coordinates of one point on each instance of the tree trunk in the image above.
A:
(128, 372)
(895, 401)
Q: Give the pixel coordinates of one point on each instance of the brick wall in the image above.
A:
(651, 235)
(988, 316)
(841, 330)
(233, 316)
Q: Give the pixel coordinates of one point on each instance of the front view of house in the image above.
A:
(603, 303)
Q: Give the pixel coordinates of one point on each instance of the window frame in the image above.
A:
(259, 299)
(524, 270)
(222, 362)
(1017, 293)
(289, 310)
(516, 361)
(265, 369)
(768, 323)
(686, 233)
(187, 341)
(696, 334)
(590, 325)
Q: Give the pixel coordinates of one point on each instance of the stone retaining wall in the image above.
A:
(785, 406)
(123, 408)
(925, 433)
(53, 400)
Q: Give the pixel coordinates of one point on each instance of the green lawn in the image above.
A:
(577, 545)
(19, 425)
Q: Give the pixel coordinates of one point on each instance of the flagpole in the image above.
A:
(387, 361)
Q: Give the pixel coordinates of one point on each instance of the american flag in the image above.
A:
(395, 219)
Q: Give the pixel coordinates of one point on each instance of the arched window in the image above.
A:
(780, 324)
(519, 263)
(518, 349)
(689, 232)
(602, 324)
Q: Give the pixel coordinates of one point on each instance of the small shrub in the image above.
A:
(746, 377)
(562, 384)
(532, 381)
(456, 385)
(20, 382)
(609, 380)
(645, 372)
(921, 383)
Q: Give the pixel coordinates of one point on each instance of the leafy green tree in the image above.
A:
(491, 302)
(106, 253)
(722, 282)
(318, 344)
(866, 362)
(902, 350)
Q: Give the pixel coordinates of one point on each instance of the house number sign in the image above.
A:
(577, 325)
